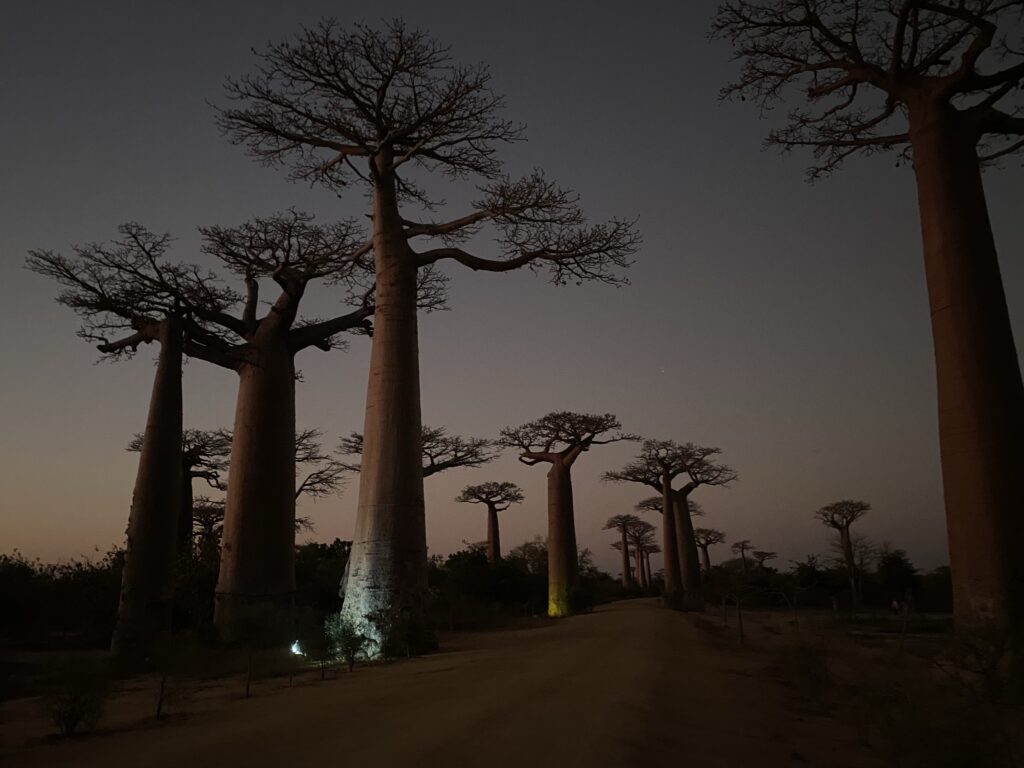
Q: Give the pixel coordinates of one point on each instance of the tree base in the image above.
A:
(262, 620)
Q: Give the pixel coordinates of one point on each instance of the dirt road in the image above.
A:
(629, 685)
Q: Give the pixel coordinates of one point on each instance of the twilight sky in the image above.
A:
(784, 322)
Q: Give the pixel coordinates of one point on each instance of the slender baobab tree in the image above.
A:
(621, 523)
(497, 497)
(707, 538)
(741, 548)
(558, 439)
(657, 466)
(387, 109)
(839, 516)
(257, 565)
(128, 290)
(641, 536)
(941, 83)
(204, 456)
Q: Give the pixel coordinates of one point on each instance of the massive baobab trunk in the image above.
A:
(388, 563)
(493, 535)
(627, 576)
(980, 395)
(147, 584)
(563, 559)
(257, 566)
(183, 538)
(689, 565)
(670, 546)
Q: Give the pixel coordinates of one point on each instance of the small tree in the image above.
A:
(345, 639)
(558, 439)
(761, 557)
(939, 82)
(741, 548)
(497, 497)
(707, 538)
(839, 516)
(640, 534)
(622, 523)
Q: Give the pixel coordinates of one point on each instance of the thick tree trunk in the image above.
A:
(670, 546)
(689, 565)
(627, 576)
(493, 535)
(980, 394)
(562, 556)
(256, 586)
(387, 573)
(641, 573)
(705, 558)
(147, 583)
(846, 543)
(647, 569)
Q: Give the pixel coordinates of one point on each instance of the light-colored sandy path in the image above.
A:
(629, 685)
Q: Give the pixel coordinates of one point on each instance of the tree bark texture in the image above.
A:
(562, 555)
(493, 535)
(689, 564)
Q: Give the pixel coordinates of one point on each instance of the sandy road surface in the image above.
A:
(629, 685)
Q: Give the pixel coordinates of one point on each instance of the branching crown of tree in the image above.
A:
(205, 452)
(741, 547)
(842, 514)
(441, 451)
(658, 457)
(124, 289)
(341, 106)
(562, 434)
(498, 495)
(621, 522)
(863, 63)
(708, 537)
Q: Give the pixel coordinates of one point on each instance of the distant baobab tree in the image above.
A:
(641, 535)
(622, 523)
(207, 529)
(707, 538)
(761, 557)
(384, 109)
(741, 548)
(440, 451)
(558, 439)
(497, 497)
(257, 565)
(204, 456)
(941, 83)
(128, 294)
(839, 516)
(657, 466)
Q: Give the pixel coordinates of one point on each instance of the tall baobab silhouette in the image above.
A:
(497, 497)
(657, 466)
(641, 535)
(128, 289)
(558, 439)
(741, 548)
(839, 516)
(385, 109)
(622, 523)
(707, 538)
(939, 82)
(257, 566)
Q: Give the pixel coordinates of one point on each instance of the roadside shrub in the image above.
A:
(77, 697)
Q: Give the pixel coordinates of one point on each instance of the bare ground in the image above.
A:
(628, 685)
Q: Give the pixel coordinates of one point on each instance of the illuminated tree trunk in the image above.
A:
(627, 576)
(147, 583)
(493, 535)
(256, 586)
(562, 555)
(980, 394)
(388, 563)
(670, 546)
(689, 564)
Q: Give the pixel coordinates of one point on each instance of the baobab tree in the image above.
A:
(439, 450)
(641, 536)
(558, 439)
(497, 497)
(622, 523)
(839, 516)
(707, 538)
(257, 566)
(941, 84)
(204, 456)
(383, 109)
(741, 548)
(761, 557)
(128, 294)
(657, 466)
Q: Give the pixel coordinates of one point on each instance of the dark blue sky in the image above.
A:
(786, 323)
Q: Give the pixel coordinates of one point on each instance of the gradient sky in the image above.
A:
(784, 322)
